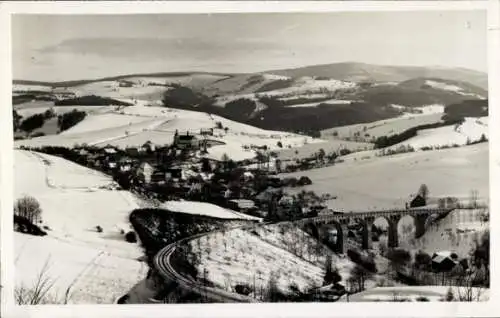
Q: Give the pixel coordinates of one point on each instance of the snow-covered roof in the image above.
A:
(444, 253)
(203, 208)
(109, 150)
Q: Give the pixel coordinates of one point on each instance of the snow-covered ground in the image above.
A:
(304, 87)
(471, 130)
(207, 209)
(309, 84)
(285, 251)
(309, 150)
(329, 102)
(412, 293)
(447, 172)
(238, 257)
(98, 266)
(104, 121)
(430, 114)
(28, 88)
(457, 232)
(451, 88)
(38, 107)
(135, 125)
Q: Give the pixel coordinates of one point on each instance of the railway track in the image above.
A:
(167, 271)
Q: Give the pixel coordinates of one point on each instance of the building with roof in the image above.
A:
(443, 261)
(186, 141)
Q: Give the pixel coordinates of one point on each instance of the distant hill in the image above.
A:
(361, 72)
(303, 100)
(73, 83)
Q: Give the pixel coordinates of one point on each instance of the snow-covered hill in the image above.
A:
(135, 125)
(368, 131)
(447, 172)
(97, 267)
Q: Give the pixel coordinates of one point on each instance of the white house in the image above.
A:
(145, 171)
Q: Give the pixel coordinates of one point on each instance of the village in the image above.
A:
(179, 172)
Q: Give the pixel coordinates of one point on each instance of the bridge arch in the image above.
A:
(389, 225)
(407, 226)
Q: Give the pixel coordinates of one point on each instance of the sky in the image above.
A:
(70, 47)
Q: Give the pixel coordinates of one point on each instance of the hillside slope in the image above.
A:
(360, 72)
(447, 172)
(97, 267)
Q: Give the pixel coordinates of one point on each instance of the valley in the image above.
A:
(166, 188)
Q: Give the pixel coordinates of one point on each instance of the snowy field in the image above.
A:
(380, 128)
(326, 102)
(451, 88)
(73, 203)
(38, 107)
(470, 130)
(135, 125)
(238, 257)
(447, 172)
(16, 88)
(309, 150)
(207, 209)
(286, 253)
(104, 121)
(304, 87)
(412, 293)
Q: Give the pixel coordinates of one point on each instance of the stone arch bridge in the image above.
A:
(341, 221)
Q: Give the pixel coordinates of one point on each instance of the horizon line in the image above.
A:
(117, 76)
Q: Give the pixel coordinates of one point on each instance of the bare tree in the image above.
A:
(359, 275)
(29, 208)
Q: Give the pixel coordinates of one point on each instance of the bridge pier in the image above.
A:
(342, 230)
(419, 221)
(393, 230)
(366, 239)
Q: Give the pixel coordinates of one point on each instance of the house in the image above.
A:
(145, 172)
(443, 261)
(418, 201)
(186, 141)
(241, 204)
(173, 173)
(148, 146)
(132, 151)
(83, 152)
(125, 164)
(109, 150)
(248, 176)
(158, 177)
(207, 131)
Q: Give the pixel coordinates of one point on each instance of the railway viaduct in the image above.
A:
(366, 219)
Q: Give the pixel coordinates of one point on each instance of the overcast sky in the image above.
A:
(76, 47)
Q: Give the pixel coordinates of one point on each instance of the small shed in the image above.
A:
(443, 262)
